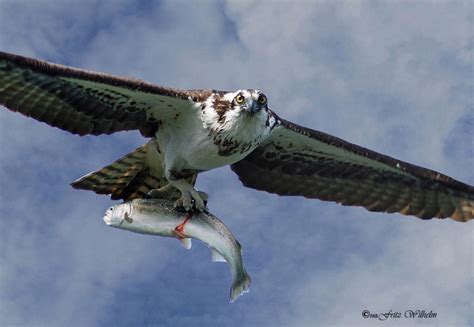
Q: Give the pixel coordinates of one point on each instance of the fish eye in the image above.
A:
(239, 98)
(262, 99)
(111, 208)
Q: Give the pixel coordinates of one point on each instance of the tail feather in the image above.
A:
(129, 177)
(139, 185)
(126, 178)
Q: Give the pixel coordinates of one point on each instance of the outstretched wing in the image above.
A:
(299, 161)
(85, 102)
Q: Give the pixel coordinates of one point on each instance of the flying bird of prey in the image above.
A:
(191, 131)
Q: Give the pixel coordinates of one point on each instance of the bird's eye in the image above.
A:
(239, 98)
(262, 99)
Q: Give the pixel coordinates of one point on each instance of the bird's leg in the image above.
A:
(179, 202)
(161, 193)
(188, 193)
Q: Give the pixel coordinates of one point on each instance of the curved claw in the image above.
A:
(160, 193)
(204, 197)
(178, 204)
(192, 200)
(190, 197)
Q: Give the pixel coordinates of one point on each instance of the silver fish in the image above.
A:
(158, 217)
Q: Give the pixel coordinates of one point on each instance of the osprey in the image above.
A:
(192, 131)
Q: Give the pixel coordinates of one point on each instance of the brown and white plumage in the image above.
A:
(129, 177)
(198, 130)
(84, 102)
(296, 160)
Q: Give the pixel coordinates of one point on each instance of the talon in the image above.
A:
(152, 195)
(190, 197)
(159, 193)
(192, 200)
(204, 198)
(178, 204)
(198, 200)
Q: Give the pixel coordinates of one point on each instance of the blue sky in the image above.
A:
(392, 76)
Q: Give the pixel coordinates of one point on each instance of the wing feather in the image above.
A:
(85, 102)
(296, 160)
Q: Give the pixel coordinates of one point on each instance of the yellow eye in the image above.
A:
(262, 99)
(239, 99)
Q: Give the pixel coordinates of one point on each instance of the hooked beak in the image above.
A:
(255, 107)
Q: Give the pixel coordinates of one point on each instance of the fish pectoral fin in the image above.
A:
(216, 256)
(185, 242)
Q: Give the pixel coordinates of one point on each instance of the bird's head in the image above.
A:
(240, 112)
(248, 101)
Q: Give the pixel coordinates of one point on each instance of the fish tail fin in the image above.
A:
(126, 178)
(240, 286)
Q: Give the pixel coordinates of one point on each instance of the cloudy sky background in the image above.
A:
(393, 76)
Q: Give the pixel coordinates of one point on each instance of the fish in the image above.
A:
(159, 217)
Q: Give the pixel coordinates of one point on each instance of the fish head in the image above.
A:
(115, 215)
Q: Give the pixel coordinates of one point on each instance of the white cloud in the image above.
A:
(429, 275)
